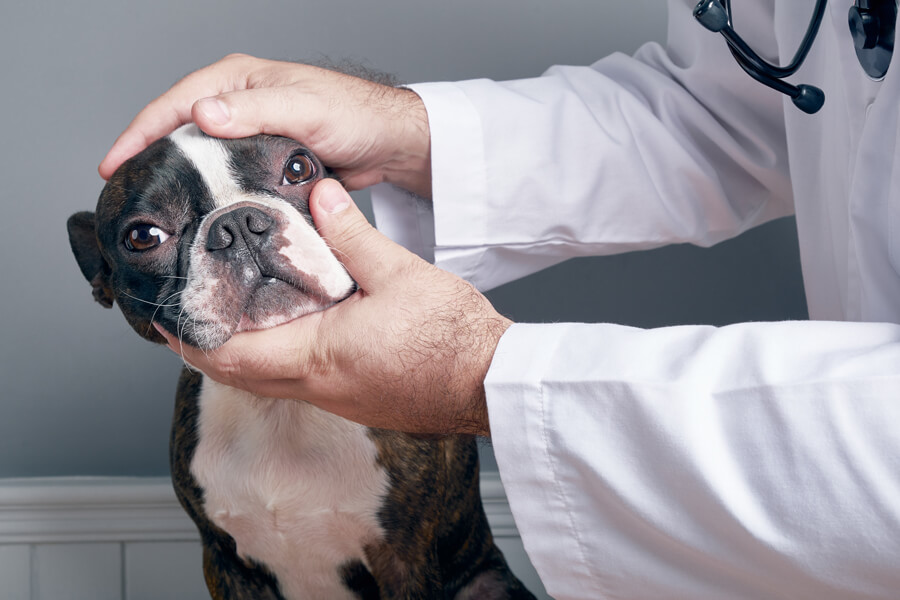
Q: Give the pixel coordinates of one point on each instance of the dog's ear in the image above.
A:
(83, 239)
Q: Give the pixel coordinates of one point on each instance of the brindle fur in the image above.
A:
(436, 544)
(426, 554)
(228, 577)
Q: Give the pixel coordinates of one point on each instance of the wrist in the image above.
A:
(409, 164)
(473, 415)
(496, 330)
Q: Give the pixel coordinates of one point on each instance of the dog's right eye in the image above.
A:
(144, 237)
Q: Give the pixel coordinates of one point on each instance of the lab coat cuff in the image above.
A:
(409, 221)
(537, 500)
(405, 218)
(458, 177)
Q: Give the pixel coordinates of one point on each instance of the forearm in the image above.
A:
(749, 461)
(674, 145)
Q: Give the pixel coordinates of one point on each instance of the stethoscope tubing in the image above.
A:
(743, 52)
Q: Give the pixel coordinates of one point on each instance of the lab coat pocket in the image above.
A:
(891, 195)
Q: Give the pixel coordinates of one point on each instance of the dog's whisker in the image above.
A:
(166, 299)
(156, 304)
(275, 446)
(153, 316)
(205, 351)
(333, 250)
(179, 329)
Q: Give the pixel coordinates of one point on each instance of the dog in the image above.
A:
(208, 237)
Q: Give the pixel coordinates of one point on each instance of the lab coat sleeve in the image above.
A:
(674, 145)
(755, 461)
(747, 462)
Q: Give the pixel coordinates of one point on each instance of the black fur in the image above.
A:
(437, 542)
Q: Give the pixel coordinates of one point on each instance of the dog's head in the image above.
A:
(209, 237)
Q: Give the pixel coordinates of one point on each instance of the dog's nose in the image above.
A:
(246, 223)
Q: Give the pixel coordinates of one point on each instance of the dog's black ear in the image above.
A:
(83, 239)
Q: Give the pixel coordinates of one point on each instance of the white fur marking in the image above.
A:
(297, 488)
(306, 251)
(211, 160)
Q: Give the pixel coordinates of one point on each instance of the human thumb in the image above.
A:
(368, 255)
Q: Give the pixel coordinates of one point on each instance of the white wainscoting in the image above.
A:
(128, 539)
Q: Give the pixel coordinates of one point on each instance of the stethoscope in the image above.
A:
(872, 24)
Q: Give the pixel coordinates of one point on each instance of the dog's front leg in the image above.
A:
(407, 577)
(228, 577)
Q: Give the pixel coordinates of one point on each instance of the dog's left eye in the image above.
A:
(144, 237)
(299, 169)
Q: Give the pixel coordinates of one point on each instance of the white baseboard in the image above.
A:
(126, 509)
(84, 538)
(91, 509)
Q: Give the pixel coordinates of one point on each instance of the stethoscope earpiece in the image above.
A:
(810, 99)
(711, 15)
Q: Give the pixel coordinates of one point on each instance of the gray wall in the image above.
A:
(81, 394)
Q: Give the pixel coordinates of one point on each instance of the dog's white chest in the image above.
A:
(297, 488)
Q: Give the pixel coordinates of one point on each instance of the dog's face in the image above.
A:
(209, 237)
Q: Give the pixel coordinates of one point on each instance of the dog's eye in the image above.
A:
(144, 237)
(299, 168)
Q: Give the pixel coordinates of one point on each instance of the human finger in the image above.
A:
(173, 108)
(275, 110)
(253, 360)
(369, 256)
(145, 129)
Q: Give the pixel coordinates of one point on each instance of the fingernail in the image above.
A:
(334, 199)
(215, 110)
(160, 329)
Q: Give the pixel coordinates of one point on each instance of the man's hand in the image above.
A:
(366, 131)
(408, 351)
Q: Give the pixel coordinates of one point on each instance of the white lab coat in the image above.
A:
(745, 462)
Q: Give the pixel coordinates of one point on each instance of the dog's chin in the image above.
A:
(272, 303)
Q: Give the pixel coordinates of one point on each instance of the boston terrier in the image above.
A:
(209, 237)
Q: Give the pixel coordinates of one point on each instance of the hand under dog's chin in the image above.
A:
(270, 305)
(249, 323)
